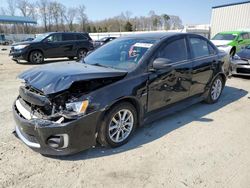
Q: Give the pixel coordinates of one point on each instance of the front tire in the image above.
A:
(118, 126)
(36, 57)
(215, 90)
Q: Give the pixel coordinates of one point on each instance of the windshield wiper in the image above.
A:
(100, 65)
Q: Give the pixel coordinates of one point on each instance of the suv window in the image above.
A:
(81, 37)
(67, 36)
(54, 38)
(200, 47)
(245, 36)
(175, 51)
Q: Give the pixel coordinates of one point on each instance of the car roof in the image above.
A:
(67, 32)
(157, 35)
(232, 32)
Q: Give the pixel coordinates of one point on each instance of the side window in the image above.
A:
(245, 36)
(174, 51)
(80, 37)
(211, 49)
(200, 47)
(54, 38)
(67, 37)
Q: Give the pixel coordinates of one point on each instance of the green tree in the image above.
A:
(89, 29)
(165, 21)
(94, 29)
(128, 26)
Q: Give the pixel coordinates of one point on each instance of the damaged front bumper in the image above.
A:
(240, 67)
(53, 138)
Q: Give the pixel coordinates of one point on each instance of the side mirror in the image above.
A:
(161, 63)
(240, 40)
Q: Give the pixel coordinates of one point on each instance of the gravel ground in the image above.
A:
(202, 146)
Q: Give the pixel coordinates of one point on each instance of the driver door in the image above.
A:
(170, 85)
(52, 45)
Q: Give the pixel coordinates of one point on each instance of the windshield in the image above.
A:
(40, 37)
(123, 54)
(225, 37)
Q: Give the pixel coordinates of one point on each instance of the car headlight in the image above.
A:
(236, 57)
(79, 107)
(21, 46)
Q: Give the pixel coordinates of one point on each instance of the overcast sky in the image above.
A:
(190, 11)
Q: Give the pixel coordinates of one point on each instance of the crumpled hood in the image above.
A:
(56, 77)
(220, 42)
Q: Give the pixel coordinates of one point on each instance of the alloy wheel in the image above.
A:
(82, 54)
(216, 89)
(121, 125)
(37, 57)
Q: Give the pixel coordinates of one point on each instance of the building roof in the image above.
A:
(17, 19)
(231, 4)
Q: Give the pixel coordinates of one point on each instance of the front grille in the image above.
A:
(243, 71)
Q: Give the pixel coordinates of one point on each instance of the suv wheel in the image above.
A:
(119, 124)
(81, 54)
(215, 90)
(36, 57)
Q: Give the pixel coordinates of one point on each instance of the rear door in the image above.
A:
(69, 44)
(204, 60)
(172, 85)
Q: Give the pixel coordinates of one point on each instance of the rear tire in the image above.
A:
(81, 54)
(118, 126)
(215, 90)
(36, 57)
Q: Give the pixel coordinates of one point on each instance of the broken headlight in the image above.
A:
(79, 107)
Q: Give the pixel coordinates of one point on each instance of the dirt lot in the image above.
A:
(202, 146)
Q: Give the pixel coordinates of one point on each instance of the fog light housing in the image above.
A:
(58, 141)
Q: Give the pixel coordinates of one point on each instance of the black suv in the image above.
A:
(64, 108)
(52, 45)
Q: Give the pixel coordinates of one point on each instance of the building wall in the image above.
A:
(228, 18)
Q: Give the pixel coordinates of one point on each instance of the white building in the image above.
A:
(230, 17)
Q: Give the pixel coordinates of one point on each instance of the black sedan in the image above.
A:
(241, 62)
(65, 108)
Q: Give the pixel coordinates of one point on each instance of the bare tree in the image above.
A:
(128, 15)
(43, 10)
(70, 17)
(11, 7)
(82, 17)
(2, 11)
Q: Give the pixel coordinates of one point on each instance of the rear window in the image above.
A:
(81, 37)
(67, 37)
(175, 51)
(200, 47)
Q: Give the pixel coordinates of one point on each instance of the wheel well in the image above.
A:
(223, 76)
(129, 100)
(233, 49)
